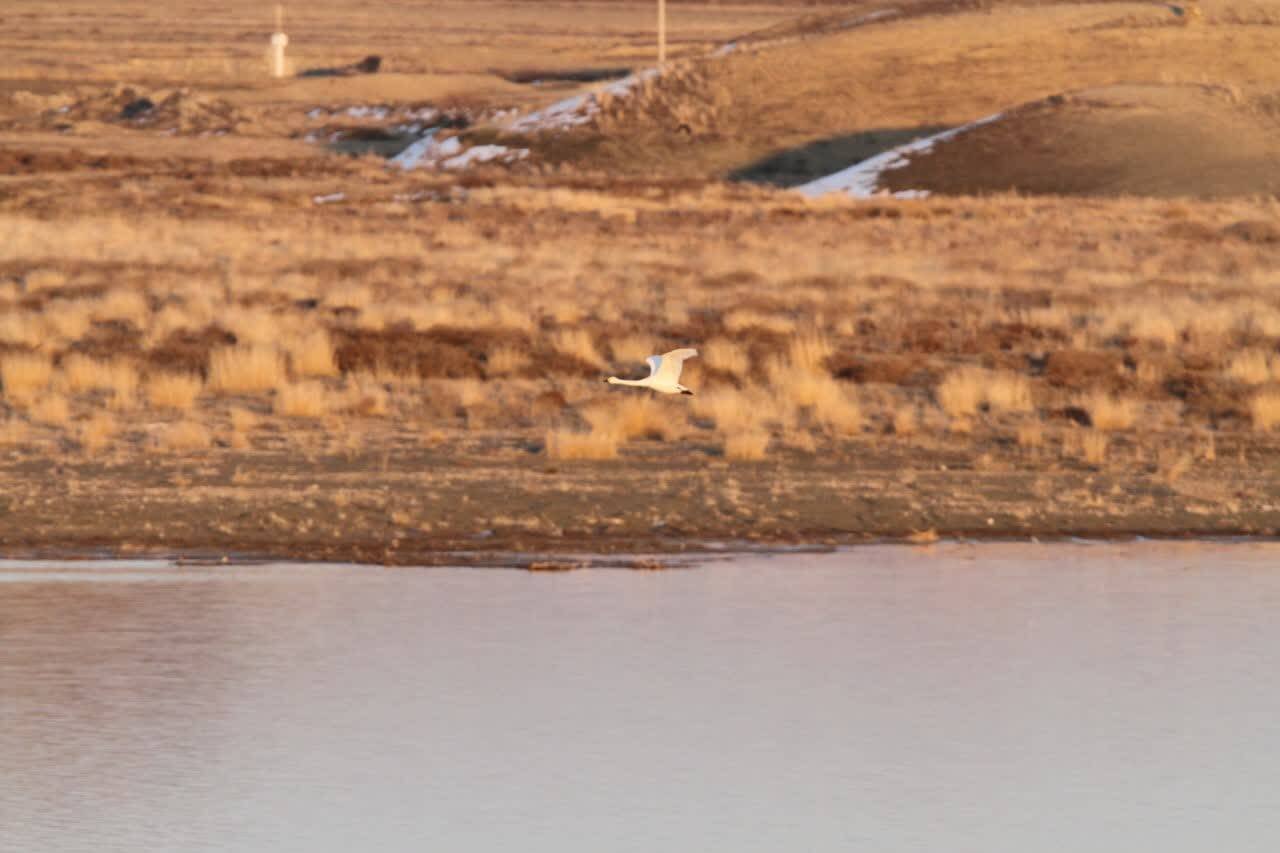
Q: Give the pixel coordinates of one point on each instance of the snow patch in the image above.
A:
(485, 154)
(861, 180)
(428, 153)
(580, 109)
(332, 198)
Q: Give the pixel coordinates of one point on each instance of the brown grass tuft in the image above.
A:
(312, 354)
(97, 431)
(636, 416)
(12, 432)
(961, 392)
(838, 410)
(734, 411)
(750, 445)
(185, 435)
(1108, 412)
(51, 409)
(119, 378)
(1265, 409)
(24, 375)
(173, 390)
(1031, 435)
(906, 420)
(302, 400)
(724, 354)
(505, 361)
(566, 444)
(245, 369)
(1008, 392)
(1250, 367)
(810, 350)
(579, 344)
(1093, 446)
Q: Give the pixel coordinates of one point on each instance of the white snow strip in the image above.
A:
(428, 153)
(485, 154)
(861, 180)
(579, 109)
(329, 199)
(425, 149)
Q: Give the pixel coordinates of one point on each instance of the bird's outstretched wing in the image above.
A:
(655, 364)
(671, 363)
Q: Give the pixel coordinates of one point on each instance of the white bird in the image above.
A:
(664, 373)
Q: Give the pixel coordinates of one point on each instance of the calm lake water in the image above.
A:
(957, 698)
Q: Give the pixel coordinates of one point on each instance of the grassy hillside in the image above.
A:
(784, 112)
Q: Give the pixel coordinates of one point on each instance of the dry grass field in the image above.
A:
(217, 337)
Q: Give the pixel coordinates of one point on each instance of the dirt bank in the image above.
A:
(479, 501)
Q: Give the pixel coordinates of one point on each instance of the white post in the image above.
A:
(278, 42)
(662, 33)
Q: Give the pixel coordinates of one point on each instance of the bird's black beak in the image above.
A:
(687, 391)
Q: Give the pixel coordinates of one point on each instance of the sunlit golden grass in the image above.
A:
(365, 395)
(961, 392)
(748, 446)
(906, 420)
(1155, 327)
(838, 410)
(506, 360)
(117, 377)
(185, 435)
(727, 355)
(809, 350)
(569, 444)
(742, 319)
(311, 354)
(1264, 407)
(1008, 392)
(97, 432)
(24, 375)
(579, 344)
(631, 349)
(1108, 412)
(635, 416)
(119, 304)
(1093, 446)
(302, 400)
(1250, 367)
(67, 322)
(965, 390)
(13, 432)
(173, 390)
(20, 329)
(1031, 434)
(242, 420)
(245, 369)
(51, 409)
(735, 411)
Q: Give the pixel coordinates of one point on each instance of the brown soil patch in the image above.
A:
(1123, 140)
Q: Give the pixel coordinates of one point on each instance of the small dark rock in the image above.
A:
(137, 107)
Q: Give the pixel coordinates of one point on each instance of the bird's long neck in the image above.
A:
(613, 380)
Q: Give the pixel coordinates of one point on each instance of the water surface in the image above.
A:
(959, 698)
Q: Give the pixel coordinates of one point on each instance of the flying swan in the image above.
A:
(664, 373)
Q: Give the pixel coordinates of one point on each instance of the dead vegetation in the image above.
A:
(171, 303)
(818, 323)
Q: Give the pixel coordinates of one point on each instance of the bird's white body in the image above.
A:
(664, 373)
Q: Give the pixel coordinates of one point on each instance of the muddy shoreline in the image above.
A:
(440, 506)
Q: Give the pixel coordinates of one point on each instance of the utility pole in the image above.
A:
(662, 33)
(278, 42)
